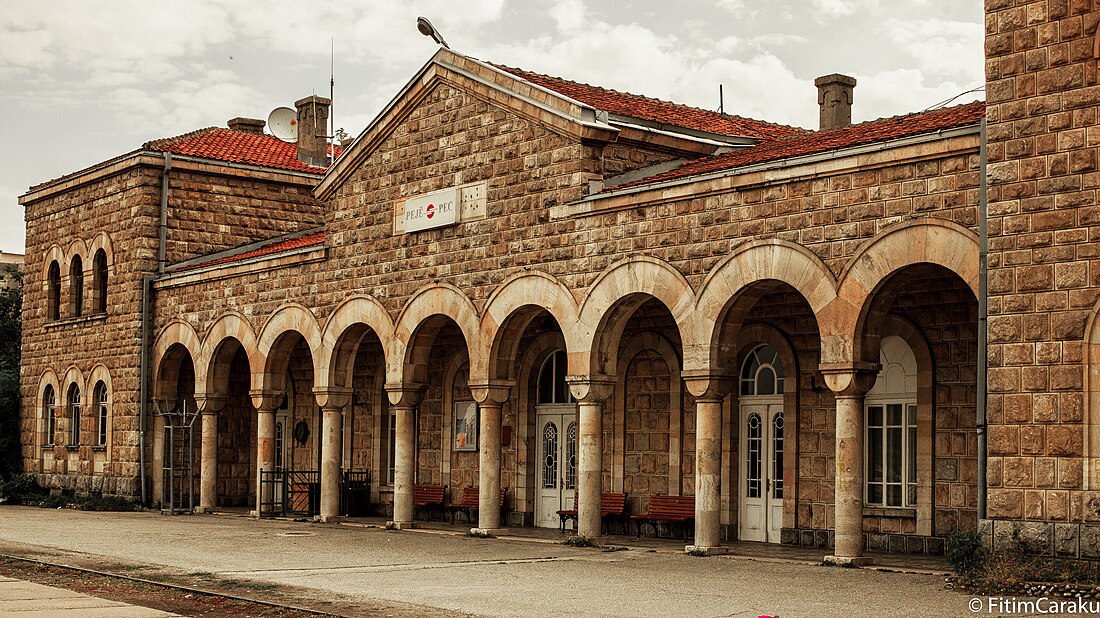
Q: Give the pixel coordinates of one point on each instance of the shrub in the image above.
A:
(108, 503)
(964, 551)
(580, 541)
(21, 488)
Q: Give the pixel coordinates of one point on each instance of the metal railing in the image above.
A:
(298, 493)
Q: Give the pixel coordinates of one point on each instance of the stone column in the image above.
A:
(265, 403)
(331, 401)
(404, 399)
(709, 392)
(849, 384)
(590, 395)
(208, 466)
(490, 398)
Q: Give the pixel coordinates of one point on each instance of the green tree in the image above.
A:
(11, 328)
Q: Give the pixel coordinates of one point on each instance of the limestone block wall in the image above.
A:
(1044, 281)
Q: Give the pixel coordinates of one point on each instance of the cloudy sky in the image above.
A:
(84, 80)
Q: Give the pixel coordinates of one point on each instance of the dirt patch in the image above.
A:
(209, 603)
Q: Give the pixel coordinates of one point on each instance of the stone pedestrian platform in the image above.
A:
(29, 600)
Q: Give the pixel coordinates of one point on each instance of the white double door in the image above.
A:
(556, 466)
(761, 470)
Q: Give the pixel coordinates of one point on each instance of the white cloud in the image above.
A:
(841, 8)
(941, 47)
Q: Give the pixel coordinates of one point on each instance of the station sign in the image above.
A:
(431, 210)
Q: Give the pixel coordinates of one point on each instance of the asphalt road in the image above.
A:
(487, 577)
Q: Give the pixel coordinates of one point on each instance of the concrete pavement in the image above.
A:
(29, 600)
(448, 572)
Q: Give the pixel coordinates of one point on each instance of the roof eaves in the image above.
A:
(241, 250)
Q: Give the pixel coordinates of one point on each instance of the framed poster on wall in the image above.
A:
(465, 424)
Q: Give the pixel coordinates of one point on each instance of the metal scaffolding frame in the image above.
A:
(178, 468)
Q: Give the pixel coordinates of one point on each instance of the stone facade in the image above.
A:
(659, 295)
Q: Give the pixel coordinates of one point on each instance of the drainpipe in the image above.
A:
(147, 325)
(983, 312)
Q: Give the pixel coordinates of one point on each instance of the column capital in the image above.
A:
(332, 397)
(590, 388)
(405, 394)
(849, 379)
(209, 404)
(708, 385)
(266, 399)
(492, 392)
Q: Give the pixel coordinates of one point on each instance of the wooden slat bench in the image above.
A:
(672, 509)
(471, 503)
(612, 508)
(429, 498)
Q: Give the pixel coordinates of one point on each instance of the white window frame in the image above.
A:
(74, 416)
(909, 447)
(102, 415)
(50, 409)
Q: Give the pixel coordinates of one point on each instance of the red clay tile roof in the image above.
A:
(656, 110)
(874, 131)
(235, 147)
(275, 246)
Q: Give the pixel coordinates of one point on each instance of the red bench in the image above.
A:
(612, 507)
(429, 498)
(471, 503)
(672, 509)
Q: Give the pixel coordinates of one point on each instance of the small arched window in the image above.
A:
(762, 373)
(76, 283)
(99, 280)
(49, 415)
(100, 401)
(74, 415)
(54, 293)
(552, 385)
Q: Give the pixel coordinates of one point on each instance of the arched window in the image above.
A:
(891, 426)
(762, 373)
(76, 284)
(99, 280)
(49, 415)
(552, 385)
(54, 294)
(100, 400)
(74, 417)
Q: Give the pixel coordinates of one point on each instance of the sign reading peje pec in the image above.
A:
(431, 210)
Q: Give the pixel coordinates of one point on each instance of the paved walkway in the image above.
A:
(442, 571)
(29, 600)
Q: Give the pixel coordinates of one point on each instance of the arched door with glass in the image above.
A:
(761, 446)
(556, 437)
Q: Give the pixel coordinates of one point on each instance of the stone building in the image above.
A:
(10, 264)
(513, 281)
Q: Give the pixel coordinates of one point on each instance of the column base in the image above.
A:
(401, 525)
(696, 550)
(329, 519)
(843, 561)
(203, 510)
(488, 531)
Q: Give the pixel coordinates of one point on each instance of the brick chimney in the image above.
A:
(248, 125)
(834, 96)
(312, 130)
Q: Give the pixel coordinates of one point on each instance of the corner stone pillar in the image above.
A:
(849, 384)
(709, 392)
(265, 403)
(331, 401)
(208, 406)
(490, 398)
(590, 393)
(404, 399)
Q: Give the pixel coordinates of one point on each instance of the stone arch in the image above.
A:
(176, 332)
(78, 248)
(509, 311)
(54, 254)
(102, 274)
(1092, 403)
(614, 296)
(102, 241)
(230, 329)
(731, 281)
(273, 347)
(352, 320)
(73, 377)
(418, 324)
(931, 241)
(47, 379)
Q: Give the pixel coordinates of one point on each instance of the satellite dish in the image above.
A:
(283, 123)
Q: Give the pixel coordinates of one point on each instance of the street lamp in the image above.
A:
(427, 29)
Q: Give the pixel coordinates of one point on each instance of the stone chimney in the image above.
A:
(247, 125)
(834, 96)
(313, 130)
